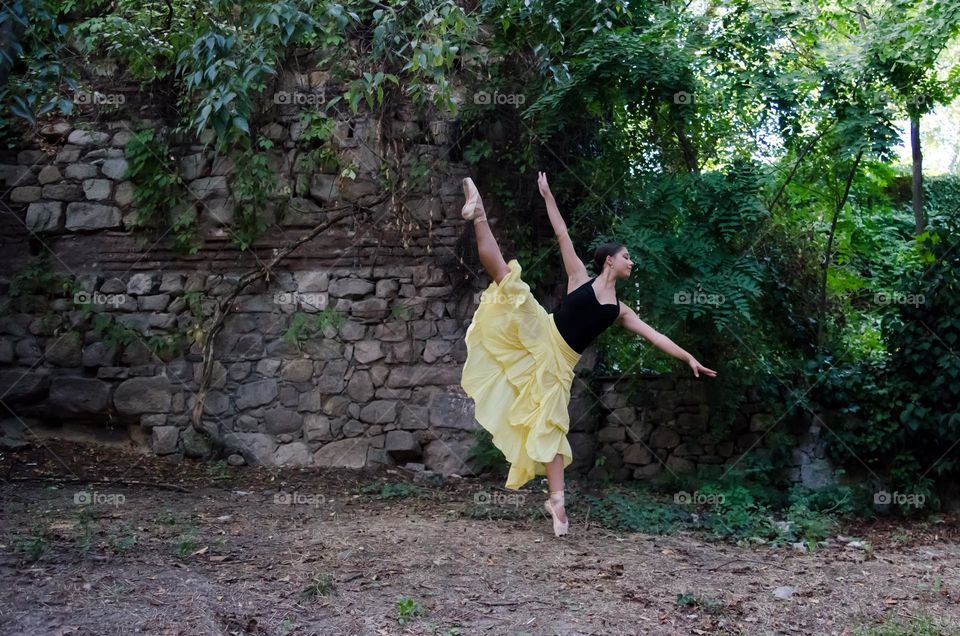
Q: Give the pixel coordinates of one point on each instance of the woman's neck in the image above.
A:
(607, 280)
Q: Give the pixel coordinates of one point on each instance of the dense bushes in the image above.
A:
(904, 411)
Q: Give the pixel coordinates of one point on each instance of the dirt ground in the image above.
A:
(195, 549)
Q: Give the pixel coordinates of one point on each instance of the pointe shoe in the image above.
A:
(556, 498)
(473, 208)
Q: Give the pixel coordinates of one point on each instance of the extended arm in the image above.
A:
(571, 262)
(630, 321)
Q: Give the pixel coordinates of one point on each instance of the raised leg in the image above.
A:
(490, 256)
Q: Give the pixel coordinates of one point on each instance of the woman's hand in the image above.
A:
(544, 187)
(697, 368)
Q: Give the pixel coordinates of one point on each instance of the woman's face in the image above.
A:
(620, 263)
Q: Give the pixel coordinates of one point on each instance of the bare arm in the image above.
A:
(575, 268)
(630, 321)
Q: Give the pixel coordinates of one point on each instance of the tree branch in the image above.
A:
(841, 202)
(225, 304)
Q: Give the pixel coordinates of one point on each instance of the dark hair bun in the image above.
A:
(603, 251)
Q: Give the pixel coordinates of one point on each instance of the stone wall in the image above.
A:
(379, 387)
(649, 427)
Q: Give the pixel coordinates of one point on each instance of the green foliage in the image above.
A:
(905, 42)
(31, 287)
(253, 184)
(218, 59)
(187, 543)
(698, 601)
(111, 331)
(408, 609)
(34, 545)
(636, 512)
(35, 42)
(942, 197)
(161, 198)
(218, 470)
(419, 41)
(484, 453)
(741, 505)
(690, 236)
(123, 540)
(317, 140)
(320, 585)
(392, 490)
(85, 530)
(227, 65)
(142, 36)
(477, 150)
(901, 414)
(304, 326)
(923, 625)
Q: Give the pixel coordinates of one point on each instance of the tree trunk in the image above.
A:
(917, 172)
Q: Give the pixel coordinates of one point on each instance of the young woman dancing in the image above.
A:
(520, 359)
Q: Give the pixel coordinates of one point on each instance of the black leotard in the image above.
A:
(580, 318)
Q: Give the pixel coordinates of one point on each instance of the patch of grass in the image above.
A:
(808, 525)
(85, 530)
(398, 490)
(320, 585)
(408, 609)
(218, 470)
(738, 515)
(901, 537)
(124, 541)
(916, 626)
(33, 546)
(115, 592)
(934, 590)
(636, 511)
(504, 512)
(705, 603)
(187, 543)
(733, 508)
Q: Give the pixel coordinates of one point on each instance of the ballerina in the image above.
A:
(520, 359)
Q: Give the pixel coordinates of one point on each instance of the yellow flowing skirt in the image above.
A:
(519, 371)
